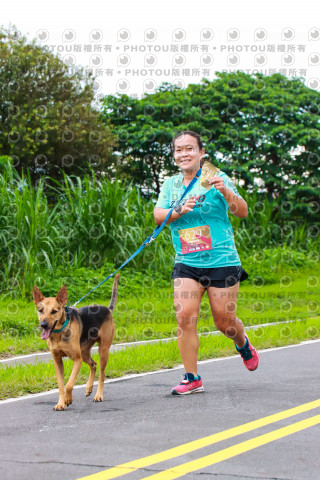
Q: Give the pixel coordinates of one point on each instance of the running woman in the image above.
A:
(206, 255)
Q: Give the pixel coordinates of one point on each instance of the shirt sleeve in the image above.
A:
(164, 197)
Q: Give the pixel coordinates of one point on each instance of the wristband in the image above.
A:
(178, 209)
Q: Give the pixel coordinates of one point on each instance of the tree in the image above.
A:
(144, 132)
(47, 117)
(262, 130)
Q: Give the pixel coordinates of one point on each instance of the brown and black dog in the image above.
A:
(86, 326)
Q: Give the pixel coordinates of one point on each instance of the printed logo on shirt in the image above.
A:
(198, 204)
(177, 183)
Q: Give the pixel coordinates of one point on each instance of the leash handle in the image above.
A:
(151, 237)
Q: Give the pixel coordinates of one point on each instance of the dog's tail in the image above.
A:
(114, 295)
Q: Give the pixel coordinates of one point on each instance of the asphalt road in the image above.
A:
(139, 418)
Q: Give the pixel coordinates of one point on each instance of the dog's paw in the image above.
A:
(59, 407)
(68, 400)
(98, 398)
(88, 392)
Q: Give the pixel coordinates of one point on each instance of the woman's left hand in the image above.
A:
(237, 205)
(218, 183)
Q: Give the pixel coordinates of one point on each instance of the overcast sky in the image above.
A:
(134, 46)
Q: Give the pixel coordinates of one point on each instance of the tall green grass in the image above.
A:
(50, 230)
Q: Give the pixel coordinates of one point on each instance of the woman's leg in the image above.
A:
(187, 299)
(223, 303)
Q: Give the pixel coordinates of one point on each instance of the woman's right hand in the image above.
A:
(189, 205)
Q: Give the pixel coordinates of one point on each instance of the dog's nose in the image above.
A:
(44, 324)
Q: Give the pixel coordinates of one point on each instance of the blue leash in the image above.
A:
(151, 237)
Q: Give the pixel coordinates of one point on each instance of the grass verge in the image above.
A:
(26, 379)
(145, 311)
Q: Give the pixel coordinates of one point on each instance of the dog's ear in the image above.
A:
(62, 296)
(37, 295)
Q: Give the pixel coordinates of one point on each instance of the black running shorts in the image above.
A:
(220, 277)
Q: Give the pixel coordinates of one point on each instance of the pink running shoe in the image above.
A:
(249, 355)
(190, 384)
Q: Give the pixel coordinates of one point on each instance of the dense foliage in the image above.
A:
(78, 182)
(48, 120)
(97, 224)
(263, 131)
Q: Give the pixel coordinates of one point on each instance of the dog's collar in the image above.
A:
(65, 323)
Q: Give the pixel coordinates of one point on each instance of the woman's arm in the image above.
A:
(237, 205)
(161, 213)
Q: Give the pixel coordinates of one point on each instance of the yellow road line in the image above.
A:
(131, 466)
(233, 451)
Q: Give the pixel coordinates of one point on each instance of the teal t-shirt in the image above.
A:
(216, 247)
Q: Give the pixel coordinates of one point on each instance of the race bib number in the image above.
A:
(195, 239)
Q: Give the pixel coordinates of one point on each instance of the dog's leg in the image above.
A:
(93, 367)
(104, 355)
(58, 367)
(105, 341)
(77, 362)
